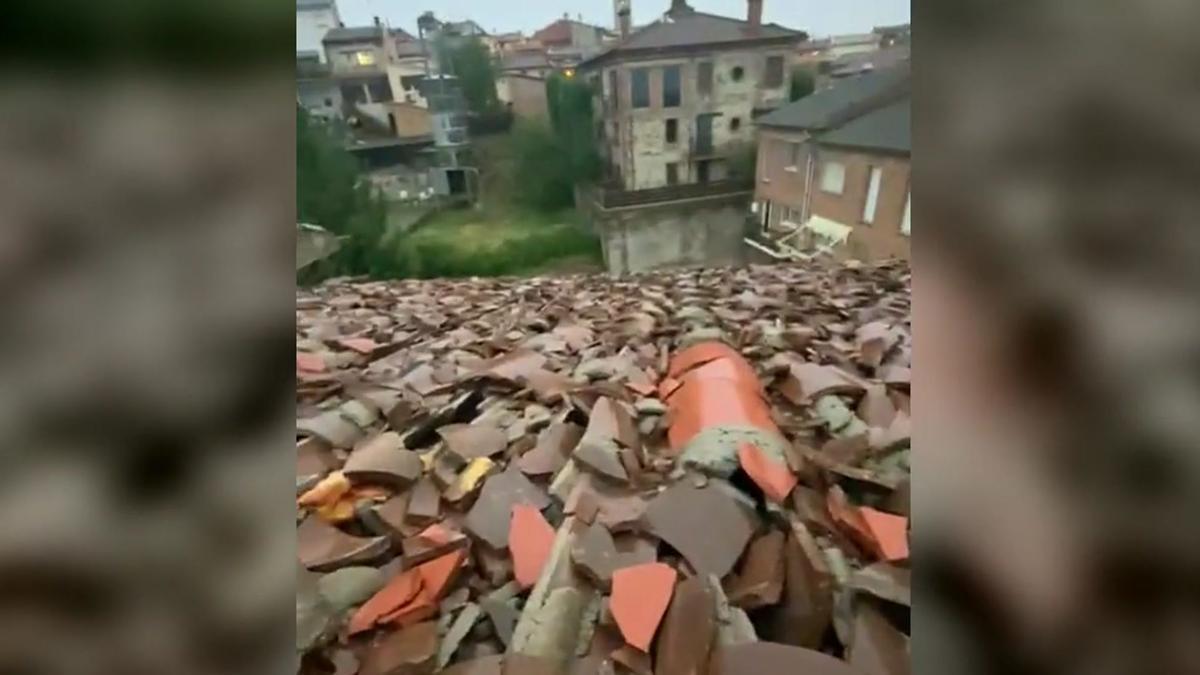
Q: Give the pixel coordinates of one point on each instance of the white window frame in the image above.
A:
(874, 187)
(793, 157)
(906, 222)
(828, 184)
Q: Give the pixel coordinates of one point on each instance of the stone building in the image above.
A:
(677, 98)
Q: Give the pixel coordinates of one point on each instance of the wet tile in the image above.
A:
(530, 540)
(688, 633)
(639, 600)
(383, 460)
(708, 526)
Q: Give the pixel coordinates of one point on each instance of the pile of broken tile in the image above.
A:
(686, 472)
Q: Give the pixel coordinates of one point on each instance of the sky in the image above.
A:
(818, 17)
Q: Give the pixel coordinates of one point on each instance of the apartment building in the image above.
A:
(833, 171)
(677, 98)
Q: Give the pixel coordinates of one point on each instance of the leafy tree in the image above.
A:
(803, 83)
(331, 194)
(470, 60)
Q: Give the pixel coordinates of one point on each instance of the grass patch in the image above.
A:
(468, 242)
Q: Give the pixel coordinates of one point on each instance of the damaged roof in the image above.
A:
(506, 475)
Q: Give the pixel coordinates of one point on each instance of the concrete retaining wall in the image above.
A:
(705, 231)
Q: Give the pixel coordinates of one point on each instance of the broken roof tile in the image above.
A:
(470, 441)
(640, 598)
(445, 358)
(759, 583)
(686, 516)
(383, 460)
(775, 479)
(488, 519)
(530, 539)
(688, 633)
(325, 548)
(889, 533)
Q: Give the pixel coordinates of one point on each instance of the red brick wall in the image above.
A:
(882, 238)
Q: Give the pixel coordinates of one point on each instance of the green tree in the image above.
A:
(330, 193)
(803, 83)
(470, 61)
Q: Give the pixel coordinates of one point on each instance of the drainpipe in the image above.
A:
(809, 170)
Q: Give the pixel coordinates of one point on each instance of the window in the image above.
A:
(905, 223)
(364, 58)
(773, 77)
(873, 180)
(672, 131)
(793, 156)
(613, 91)
(672, 94)
(738, 73)
(673, 173)
(704, 78)
(640, 88)
(833, 177)
(328, 103)
(735, 124)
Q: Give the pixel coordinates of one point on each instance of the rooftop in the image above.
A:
(560, 31)
(826, 107)
(888, 129)
(519, 431)
(521, 60)
(353, 34)
(696, 29)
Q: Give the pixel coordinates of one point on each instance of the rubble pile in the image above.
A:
(678, 473)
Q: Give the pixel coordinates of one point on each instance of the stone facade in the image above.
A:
(636, 138)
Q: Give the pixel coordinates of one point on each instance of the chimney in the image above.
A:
(679, 7)
(624, 17)
(754, 10)
(378, 23)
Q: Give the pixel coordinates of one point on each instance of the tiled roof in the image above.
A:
(687, 29)
(823, 108)
(888, 128)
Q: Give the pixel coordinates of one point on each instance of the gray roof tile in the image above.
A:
(822, 108)
(888, 128)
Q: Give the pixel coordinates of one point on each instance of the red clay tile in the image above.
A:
(889, 533)
(400, 591)
(310, 363)
(361, 345)
(410, 597)
(530, 539)
(775, 479)
(640, 597)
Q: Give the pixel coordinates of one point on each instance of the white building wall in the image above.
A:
(311, 26)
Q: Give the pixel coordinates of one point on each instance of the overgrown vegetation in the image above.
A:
(551, 160)
(467, 243)
(329, 193)
(804, 82)
(471, 62)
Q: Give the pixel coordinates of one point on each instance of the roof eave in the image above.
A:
(620, 53)
(864, 149)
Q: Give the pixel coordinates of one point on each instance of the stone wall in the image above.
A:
(706, 231)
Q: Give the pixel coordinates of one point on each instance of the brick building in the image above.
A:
(833, 170)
